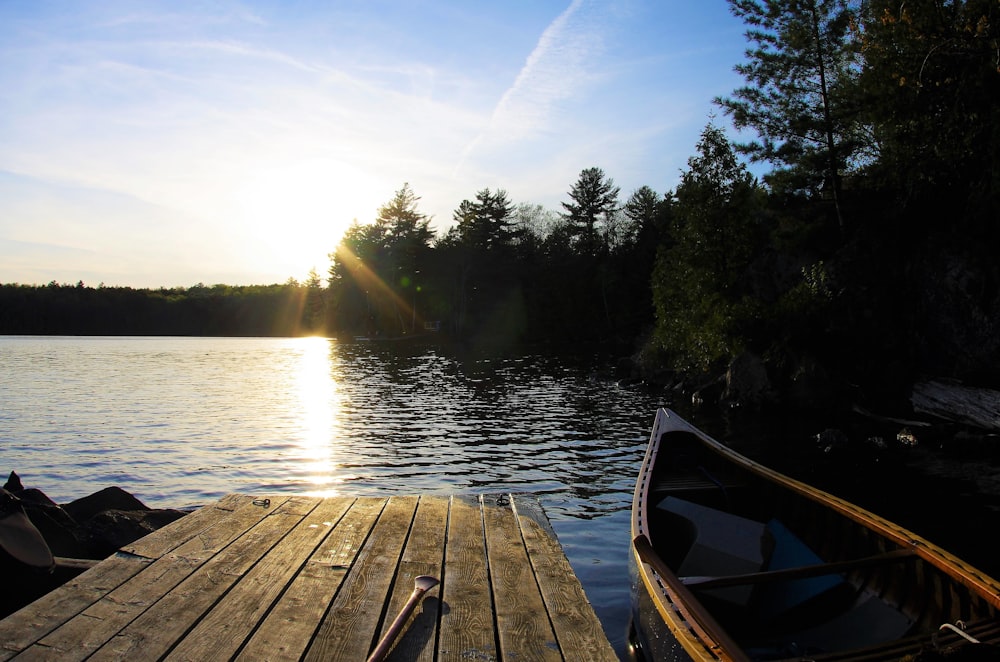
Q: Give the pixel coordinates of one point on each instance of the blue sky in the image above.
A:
(169, 143)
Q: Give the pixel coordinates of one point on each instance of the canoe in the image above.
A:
(731, 560)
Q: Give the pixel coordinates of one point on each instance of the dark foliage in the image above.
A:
(220, 310)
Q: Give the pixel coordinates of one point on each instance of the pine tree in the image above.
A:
(930, 86)
(594, 199)
(800, 72)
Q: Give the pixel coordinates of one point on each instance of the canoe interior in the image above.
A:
(759, 554)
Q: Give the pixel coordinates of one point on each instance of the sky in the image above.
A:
(165, 144)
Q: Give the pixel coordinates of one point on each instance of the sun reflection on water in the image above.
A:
(319, 403)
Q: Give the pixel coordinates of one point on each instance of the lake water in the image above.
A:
(180, 422)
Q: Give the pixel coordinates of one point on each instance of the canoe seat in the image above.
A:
(771, 600)
(692, 481)
(722, 544)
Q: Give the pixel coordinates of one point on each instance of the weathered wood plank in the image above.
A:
(309, 578)
(160, 627)
(423, 555)
(92, 628)
(288, 628)
(23, 629)
(522, 622)
(573, 619)
(224, 629)
(348, 629)
(158, 543)
(467, 629)
(29, 625)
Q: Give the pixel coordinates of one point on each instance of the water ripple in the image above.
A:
(183, 421)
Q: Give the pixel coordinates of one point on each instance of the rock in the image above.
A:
(60, 531)
(957, 402)
(832, 440)
(110, 530)
(905, 437)
(36, 497)
(13, 484)
(747, 383)
(708, 393)
(110, 498)
(93, 527)
(23, 585)
(877, 442)
(810, 386)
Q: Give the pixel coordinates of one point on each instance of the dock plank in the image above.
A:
(222, 632)
(160, 627)
(522, 622)
(422, 555)
(58, 608)
(573, 619)
(89, 630)
(288, 628)
(466, 631)
(304, 578)
(348, 630)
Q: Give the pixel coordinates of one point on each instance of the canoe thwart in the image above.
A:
(817, 570)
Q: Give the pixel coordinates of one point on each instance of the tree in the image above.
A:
(594, 198)
(647, 212)
(532, 223)
(800, 72)
(699, 293)
(480, 251)
(376, 269)
(408, 246)
(408, 230)
(314, 305)
(486, 223)
(930, 86)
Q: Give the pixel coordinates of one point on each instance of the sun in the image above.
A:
(293, 214)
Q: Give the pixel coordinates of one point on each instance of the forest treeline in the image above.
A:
(291, 309)
(867, 251)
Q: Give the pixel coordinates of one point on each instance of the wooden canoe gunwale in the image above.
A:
(703, 622)
(695, 629)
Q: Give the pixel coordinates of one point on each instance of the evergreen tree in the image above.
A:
(594, 199)
(408, 247)
(376, 271)
(481, 253)
(701, 304)
(930, 86)
(800, 72)
(314, 306)
(407, 230)
(647, 213)
(485, 224)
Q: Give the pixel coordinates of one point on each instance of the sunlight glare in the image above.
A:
(293, 214)
(319, 407)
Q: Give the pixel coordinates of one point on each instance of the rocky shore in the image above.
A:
(77, 534)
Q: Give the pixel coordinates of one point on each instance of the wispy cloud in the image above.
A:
(555, 70)
(246, 126)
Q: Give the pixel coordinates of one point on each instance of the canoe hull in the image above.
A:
(695, 499)
(650, 638)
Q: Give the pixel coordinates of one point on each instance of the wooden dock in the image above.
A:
(303, 578)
